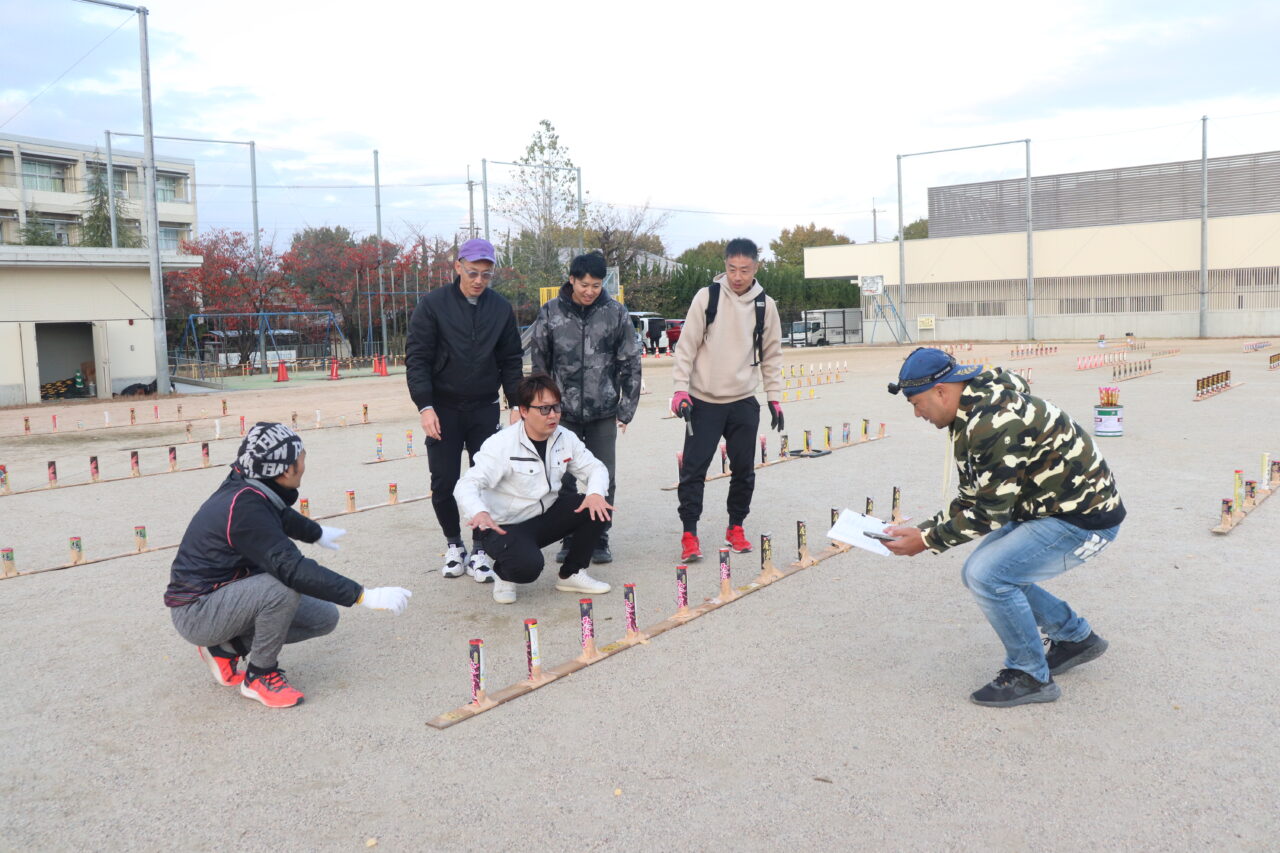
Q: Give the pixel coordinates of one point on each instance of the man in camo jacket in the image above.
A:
(584, 339)
(1032, 482)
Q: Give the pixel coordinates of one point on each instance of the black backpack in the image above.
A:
(713, 305)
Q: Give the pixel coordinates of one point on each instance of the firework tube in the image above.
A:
(783, 452)
(317, 419)
(378, 451)
(293, 420)
(679, 463)
(242, 424)
(629, 606)
(393, 493)
(871, 506)
(826, 438)
(26, 425)
(726, 578)
(4, 476)
(53, 474)
(305, 507)
(224, 406)
(173, 459)
(364, 413)
(682, 592)
(866, 425)
(724, 458)
(880, 434)
(1227, 512)
(896, 515)
(808, 442)
(351, 500)
(139, 537)
(532, 653)
(8, 565)
(588, 630)
(133, 416)
(1237, 493)
(204, 454)
(93, 469)
(55, 423)
(1250, 492)
(802, 541)
(217, 430)
(408, 442)
(135, 468)
(844, 433)
(77, 551)
(477, 672)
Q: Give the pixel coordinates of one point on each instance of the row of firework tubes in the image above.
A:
(1273, 362)
(533, 653)
(135, 468)
(1130, 369)
(1213, 383)
(1245, 493)
(8, 560)
(784, 450)
(1032, 351)
(204, 413)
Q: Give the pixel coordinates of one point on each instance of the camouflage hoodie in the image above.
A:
(1019, 458)
(592, 353)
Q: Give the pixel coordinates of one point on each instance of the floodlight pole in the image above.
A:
(577, 170)
(377, 207)
(111, 193)
(1204, 227)
(902, 251)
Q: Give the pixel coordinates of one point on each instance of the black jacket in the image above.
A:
(246, 528)
(459, 354)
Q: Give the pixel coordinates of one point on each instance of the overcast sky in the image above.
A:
(744, 117)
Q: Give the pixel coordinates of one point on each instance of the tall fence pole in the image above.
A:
(1204, 226)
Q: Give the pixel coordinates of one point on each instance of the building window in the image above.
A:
(1111, 304)
(992, 309)
(126, 179)
(959, 309)
(170, 187)
(1074, 305)
(171, 237)
(1146, 303)
(44, 175)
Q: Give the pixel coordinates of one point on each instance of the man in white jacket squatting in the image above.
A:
(511, 494)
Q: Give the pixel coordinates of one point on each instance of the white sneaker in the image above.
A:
(504, 592)
(480, 567)
(455, 561)
(580, 581)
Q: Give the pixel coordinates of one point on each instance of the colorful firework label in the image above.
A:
(724, 564)
(173, 459)
(629, 604)
(53, 474)
(477, 669)
(204, 453)
(135, 470)
(305, 508)
(766, 548)
(682, 587)
(588, 625)
(393, 493)
(140, 537)
(93, 470)
(802, 539)
(845, 432)
(532, 652)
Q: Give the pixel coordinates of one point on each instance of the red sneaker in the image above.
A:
(690, 550)
(223, 669)
(271, 690)
(736, 538)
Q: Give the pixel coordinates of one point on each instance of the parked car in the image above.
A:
(673, 332)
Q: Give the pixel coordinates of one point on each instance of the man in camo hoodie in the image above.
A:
(1033, 483)
(584, 339)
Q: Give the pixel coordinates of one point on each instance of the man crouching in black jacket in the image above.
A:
(239, 587)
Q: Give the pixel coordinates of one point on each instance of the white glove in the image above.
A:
(391, 598)
(329, 537)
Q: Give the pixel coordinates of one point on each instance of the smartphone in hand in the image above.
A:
(882, 537)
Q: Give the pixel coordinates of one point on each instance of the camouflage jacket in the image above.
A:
(592, 354)
(1019, 458)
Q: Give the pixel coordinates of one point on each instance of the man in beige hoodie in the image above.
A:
(718, 366)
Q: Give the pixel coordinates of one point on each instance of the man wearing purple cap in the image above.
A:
(463, 346)
(1034, 485)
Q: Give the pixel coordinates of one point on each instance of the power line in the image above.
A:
(70, 68)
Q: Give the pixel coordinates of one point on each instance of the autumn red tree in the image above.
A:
(230, 281)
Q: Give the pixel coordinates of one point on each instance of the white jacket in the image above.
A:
(509, 481)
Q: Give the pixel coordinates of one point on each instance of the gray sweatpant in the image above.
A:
(260, 612)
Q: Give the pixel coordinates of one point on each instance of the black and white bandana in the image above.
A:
(268, 450)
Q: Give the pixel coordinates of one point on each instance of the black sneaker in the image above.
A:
(563, 553)
(1015, 687)
(602, 554)
(1062, 655)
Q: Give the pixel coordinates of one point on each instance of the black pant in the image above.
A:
(459, 428)
(517, 554)
(601, 438)
(738, 423)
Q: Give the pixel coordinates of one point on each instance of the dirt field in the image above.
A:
(827, 711)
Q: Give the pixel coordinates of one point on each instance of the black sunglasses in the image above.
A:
(546, 410)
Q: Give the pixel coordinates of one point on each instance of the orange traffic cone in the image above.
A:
(333, 369)
(282, 372)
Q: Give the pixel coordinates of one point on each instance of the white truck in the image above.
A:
(825, 326)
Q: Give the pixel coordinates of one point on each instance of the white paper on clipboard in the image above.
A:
(849, 528)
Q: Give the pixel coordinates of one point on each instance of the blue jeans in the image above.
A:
(1002, 573)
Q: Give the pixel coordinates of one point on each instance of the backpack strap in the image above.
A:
(713, 301)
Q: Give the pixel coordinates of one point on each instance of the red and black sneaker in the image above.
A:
(690, 550)
(271, 690)
(736, 538)
(222, 666)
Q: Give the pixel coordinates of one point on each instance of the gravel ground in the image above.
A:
(828, 710)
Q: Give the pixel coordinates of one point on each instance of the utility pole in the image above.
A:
(471, 205)
(875, 231)
(377, 206)
(1204, 227)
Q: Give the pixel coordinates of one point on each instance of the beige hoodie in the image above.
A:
(714, 364)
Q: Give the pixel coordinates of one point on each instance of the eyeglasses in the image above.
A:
(483, 275)
(546, 410)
